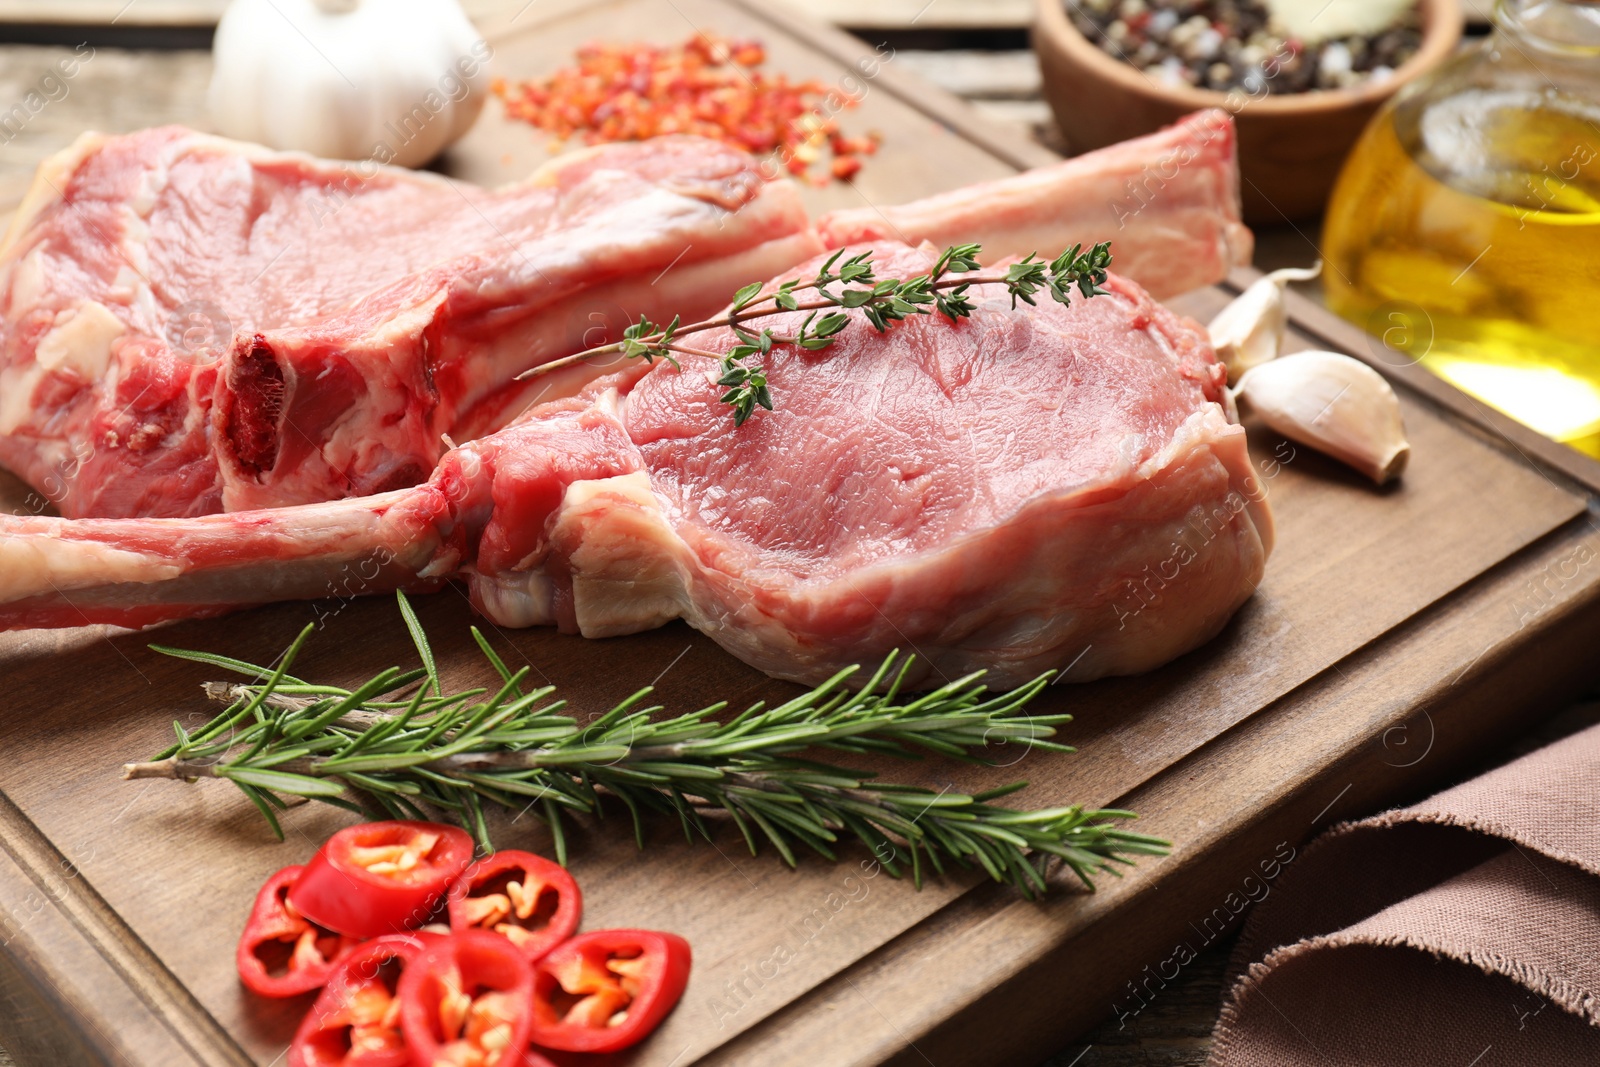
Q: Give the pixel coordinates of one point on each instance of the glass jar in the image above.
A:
(1464, 231)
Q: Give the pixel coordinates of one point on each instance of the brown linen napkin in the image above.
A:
(1463, 931)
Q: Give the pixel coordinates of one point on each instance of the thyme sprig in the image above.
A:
(945, 290)
(515, 747)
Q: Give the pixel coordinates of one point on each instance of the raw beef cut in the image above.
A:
(190, 325)
(1022, 490)
(1168, 202)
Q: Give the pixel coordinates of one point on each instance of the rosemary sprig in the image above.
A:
(881, 302)
(515, 748)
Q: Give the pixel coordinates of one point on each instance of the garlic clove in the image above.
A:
(1249, 331)
(1334, 404)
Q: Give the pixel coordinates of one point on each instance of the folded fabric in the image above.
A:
(1461, 931)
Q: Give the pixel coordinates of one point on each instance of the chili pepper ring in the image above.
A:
(382, 877)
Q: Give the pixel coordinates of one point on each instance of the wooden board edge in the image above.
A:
(131, 970)
(1043, 989)
(1361, 783)
(1498, 701)
(37, 1024)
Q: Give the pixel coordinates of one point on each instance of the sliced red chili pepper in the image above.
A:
(519, 895)
(467, 1002)
(606, 990)
(281, 953)
(381, 877)
(356, 1020)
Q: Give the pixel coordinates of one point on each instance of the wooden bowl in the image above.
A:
(1290, 145)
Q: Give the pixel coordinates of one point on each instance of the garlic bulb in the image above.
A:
(1249, 331)
(392, 81)
(1334, 404)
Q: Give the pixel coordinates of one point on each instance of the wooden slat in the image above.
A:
(175, 13)
(873, 14)
(915, 14)
(111, 90)
(949, 111)
(968, 74)
(114, 12)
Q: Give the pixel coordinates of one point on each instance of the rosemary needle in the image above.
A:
(512, 746)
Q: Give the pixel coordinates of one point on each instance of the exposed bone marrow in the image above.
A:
(256, 383)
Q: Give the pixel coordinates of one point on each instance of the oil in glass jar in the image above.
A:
(1464, 230)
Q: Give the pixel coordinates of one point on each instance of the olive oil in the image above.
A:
(1464, 233)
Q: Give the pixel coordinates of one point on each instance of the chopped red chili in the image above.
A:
(709, 86)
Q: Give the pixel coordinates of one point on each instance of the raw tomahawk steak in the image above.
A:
(190, 325)
(1023, 490)
(1169, 202)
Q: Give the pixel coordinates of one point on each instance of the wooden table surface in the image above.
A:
(123, 90)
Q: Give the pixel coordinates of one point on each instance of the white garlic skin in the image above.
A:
(1335, 404)
(1249, 331)
(393, 81)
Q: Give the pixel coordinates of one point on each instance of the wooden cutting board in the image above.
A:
(1397, 634)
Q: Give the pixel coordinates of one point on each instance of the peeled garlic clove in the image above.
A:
(1249, 331)
(1334, 404)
